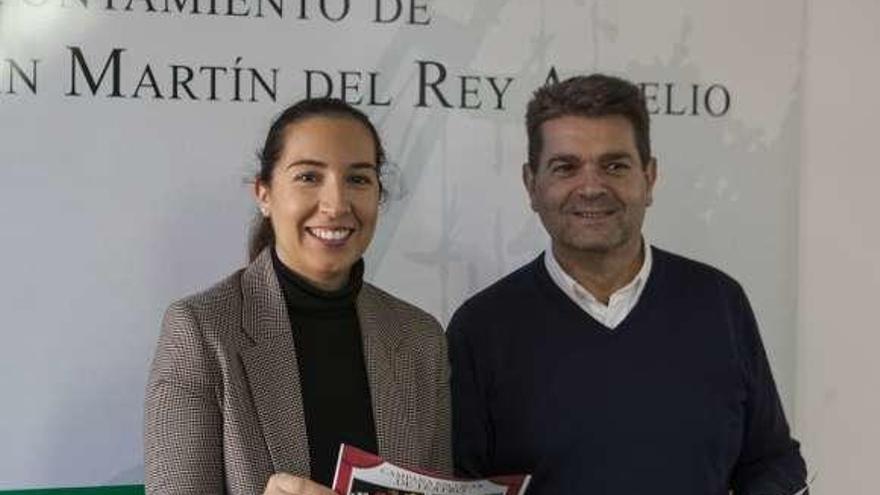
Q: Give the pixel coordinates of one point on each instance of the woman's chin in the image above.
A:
(331, 275)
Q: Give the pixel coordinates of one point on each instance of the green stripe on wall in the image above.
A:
(89, 490)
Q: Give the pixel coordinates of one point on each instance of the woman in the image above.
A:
(268, 371)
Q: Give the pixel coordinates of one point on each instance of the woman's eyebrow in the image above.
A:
(307, 162)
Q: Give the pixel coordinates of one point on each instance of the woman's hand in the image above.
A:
(288, 484)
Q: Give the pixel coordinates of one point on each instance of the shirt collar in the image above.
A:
(572, 287)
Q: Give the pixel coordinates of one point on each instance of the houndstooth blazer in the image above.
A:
(223, 404)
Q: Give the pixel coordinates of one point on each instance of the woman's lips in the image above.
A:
(332, 236)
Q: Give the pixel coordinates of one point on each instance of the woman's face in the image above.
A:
(323, 198)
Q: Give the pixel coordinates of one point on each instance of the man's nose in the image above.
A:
(591, 180)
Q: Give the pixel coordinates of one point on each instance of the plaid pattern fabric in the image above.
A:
(223, 404)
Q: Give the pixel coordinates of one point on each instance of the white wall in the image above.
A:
(838, 397)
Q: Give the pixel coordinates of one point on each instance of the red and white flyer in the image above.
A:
(363, 473)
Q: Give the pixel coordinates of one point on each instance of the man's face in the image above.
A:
(590, 188)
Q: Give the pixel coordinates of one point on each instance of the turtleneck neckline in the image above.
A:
(304, 295)
(335, 388)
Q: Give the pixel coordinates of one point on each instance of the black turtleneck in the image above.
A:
(335, 391)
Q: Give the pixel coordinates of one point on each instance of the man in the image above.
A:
(605, 365)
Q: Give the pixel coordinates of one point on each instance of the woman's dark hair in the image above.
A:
(261, 234)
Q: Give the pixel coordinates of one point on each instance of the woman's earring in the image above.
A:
(264, 211)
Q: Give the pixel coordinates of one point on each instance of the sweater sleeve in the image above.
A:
(471, 426)
(770, 461)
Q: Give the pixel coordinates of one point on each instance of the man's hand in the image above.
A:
(288, 484)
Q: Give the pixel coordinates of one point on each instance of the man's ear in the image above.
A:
(651, 178)
(528, 178)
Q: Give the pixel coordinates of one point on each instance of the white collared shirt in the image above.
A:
(621, 302)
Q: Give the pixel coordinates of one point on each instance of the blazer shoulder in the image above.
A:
(219, 293)
(403, 311)
(212, 308)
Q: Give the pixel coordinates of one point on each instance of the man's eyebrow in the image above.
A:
(615, 155)
(363, 165)
(564, 157)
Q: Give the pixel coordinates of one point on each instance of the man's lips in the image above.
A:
(593, 214)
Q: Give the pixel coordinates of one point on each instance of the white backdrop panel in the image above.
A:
(112, 206)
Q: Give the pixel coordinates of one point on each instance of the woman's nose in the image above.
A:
(334, 200)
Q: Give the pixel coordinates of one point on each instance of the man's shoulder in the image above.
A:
(516, 283)
(679, 269)
(504, 294)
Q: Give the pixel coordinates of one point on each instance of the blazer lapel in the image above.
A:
(381, 337)
(271, 368)
(273, 373)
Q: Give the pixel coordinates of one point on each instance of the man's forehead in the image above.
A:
(615, 121)
(580, 131)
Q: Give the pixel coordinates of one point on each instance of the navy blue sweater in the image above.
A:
(678, 399)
